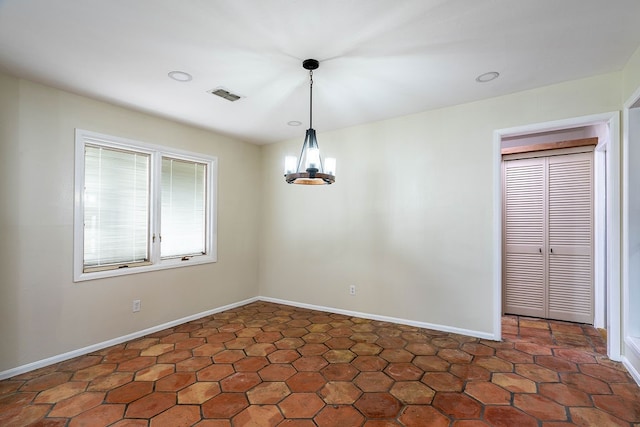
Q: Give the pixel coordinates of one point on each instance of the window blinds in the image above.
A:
(116, 202)
(183, 212)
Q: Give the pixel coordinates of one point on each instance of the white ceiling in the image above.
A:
(378, 58)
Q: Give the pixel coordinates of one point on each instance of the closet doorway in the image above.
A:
(548, 203)
(606, 239)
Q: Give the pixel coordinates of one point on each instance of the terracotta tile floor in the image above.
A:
(273, 365)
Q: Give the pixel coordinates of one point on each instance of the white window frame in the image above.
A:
(156, 153)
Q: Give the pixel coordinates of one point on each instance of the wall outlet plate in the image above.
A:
(136, 305)
(352, 290)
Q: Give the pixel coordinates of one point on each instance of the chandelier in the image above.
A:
(308, 169)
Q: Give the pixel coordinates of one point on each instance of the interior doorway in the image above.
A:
(606, 199)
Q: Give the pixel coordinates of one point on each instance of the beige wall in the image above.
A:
(631, 76)
(410, 219)
(42, 312)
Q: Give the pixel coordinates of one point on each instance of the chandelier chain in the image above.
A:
(310, 99)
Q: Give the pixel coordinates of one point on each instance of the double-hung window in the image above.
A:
(140, 207)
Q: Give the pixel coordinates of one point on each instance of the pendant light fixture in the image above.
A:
(309, 169)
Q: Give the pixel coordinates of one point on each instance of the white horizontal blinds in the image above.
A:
(184, 208)
(570, 237)
(524, 213)
(116, 206)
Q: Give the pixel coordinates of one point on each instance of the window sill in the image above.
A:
(80, 276)
(634, 344)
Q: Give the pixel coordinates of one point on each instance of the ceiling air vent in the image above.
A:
(223, 93)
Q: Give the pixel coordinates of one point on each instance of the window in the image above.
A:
(183, 208)
(140, 207)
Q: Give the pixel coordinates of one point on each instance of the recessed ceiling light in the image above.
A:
(180, 76)
(487, 77)
(294, 123)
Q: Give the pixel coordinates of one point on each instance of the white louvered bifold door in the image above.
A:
(524, 236)
(548, 237)
(570, 241)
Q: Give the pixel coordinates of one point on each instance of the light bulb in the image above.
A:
(313, 158)
(290, 164)
(330, 166)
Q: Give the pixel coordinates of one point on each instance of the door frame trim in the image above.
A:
(613, 288)
(631, 353)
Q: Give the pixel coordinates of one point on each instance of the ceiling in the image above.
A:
(378, 58)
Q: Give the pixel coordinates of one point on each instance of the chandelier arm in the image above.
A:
(313, 143)
(304, 145)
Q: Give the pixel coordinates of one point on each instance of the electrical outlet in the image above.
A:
(352, 290)
(136, 305)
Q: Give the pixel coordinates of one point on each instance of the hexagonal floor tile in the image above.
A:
(224, 405)
(301, 405)
(340, 393)
(412, 393)
(457, 405)
(258, 416)
(420, 416)
(378, 405)
(338, 416)
(305, 382)
(373, 381)
(198, 393)
(268, 393)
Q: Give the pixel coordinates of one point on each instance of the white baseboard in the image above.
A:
(423, 325)
(632, 346)
(632, 369)
(99, 346)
